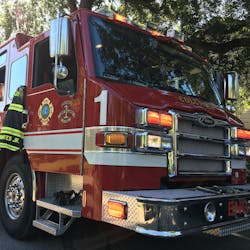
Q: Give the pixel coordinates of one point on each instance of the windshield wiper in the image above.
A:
(200, 97)
(126, 79)
(166, 88)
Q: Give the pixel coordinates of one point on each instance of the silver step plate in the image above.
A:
(69, 210)
(47, 226)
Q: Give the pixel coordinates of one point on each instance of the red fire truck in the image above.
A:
(124, 126)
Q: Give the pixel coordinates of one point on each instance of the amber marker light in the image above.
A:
(153, 117)
(117, 209)
(114, 139)
(119, 139)
(243, 134)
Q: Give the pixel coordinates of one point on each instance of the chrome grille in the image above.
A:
(200, 149)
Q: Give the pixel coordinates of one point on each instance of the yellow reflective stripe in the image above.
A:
(17, 94)
(16, 107)
(12, 131)
(7, 146)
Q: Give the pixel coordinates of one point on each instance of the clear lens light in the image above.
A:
(154, 141)
(248, 151)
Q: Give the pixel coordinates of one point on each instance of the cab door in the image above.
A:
(54, 136)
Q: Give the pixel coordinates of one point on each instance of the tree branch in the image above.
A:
(86, 4)
(72, 5)
(220, 48)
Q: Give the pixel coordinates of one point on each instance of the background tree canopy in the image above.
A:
(216, 29)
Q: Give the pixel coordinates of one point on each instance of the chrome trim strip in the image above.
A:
(128, 159)
(34, 185)
(172, 157)
(157, 233)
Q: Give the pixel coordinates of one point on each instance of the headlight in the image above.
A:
(147, 142)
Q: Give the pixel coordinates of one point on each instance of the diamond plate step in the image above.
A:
(69, 210)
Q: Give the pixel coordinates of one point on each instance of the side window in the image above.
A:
(2, 75)
(42, 71)
(17, 75)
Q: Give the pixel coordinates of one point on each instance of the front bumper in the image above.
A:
(177, 212)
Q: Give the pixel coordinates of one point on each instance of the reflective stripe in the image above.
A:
(8, 146)
(12, 131)
(16, 107)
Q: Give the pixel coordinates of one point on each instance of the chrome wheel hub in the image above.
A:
(14, 196)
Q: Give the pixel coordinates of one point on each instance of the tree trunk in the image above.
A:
(72, 5)
(86, 4)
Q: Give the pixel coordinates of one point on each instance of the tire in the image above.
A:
(16, 206)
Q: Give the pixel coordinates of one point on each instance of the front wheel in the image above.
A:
(16, 205)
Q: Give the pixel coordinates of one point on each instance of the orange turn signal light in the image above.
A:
(117, 209)
(116, 139)
(243, 134)
(166, 120)
(153, 117)
(161, 119)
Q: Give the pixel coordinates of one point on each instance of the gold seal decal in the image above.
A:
(66, 115)
(45, 111)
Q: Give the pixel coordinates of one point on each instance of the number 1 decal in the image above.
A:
(103, 99)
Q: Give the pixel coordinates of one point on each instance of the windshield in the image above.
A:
(128, 56)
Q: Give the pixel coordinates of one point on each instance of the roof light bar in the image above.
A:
(176, 35)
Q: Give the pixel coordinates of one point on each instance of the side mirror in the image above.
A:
(60, 46)
(231, 86)
(60, 37)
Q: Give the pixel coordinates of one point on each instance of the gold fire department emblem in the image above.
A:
(45, 111)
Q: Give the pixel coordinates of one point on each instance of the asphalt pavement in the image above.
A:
(88, 235)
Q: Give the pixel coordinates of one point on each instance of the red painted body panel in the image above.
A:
(98, 178)
(53, 163)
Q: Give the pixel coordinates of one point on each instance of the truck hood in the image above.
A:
(165, 100)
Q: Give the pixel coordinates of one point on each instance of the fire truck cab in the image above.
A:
(125, 126)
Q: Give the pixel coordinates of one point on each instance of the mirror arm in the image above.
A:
(58, 38)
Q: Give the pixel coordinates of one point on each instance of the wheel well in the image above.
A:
(20, 157)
